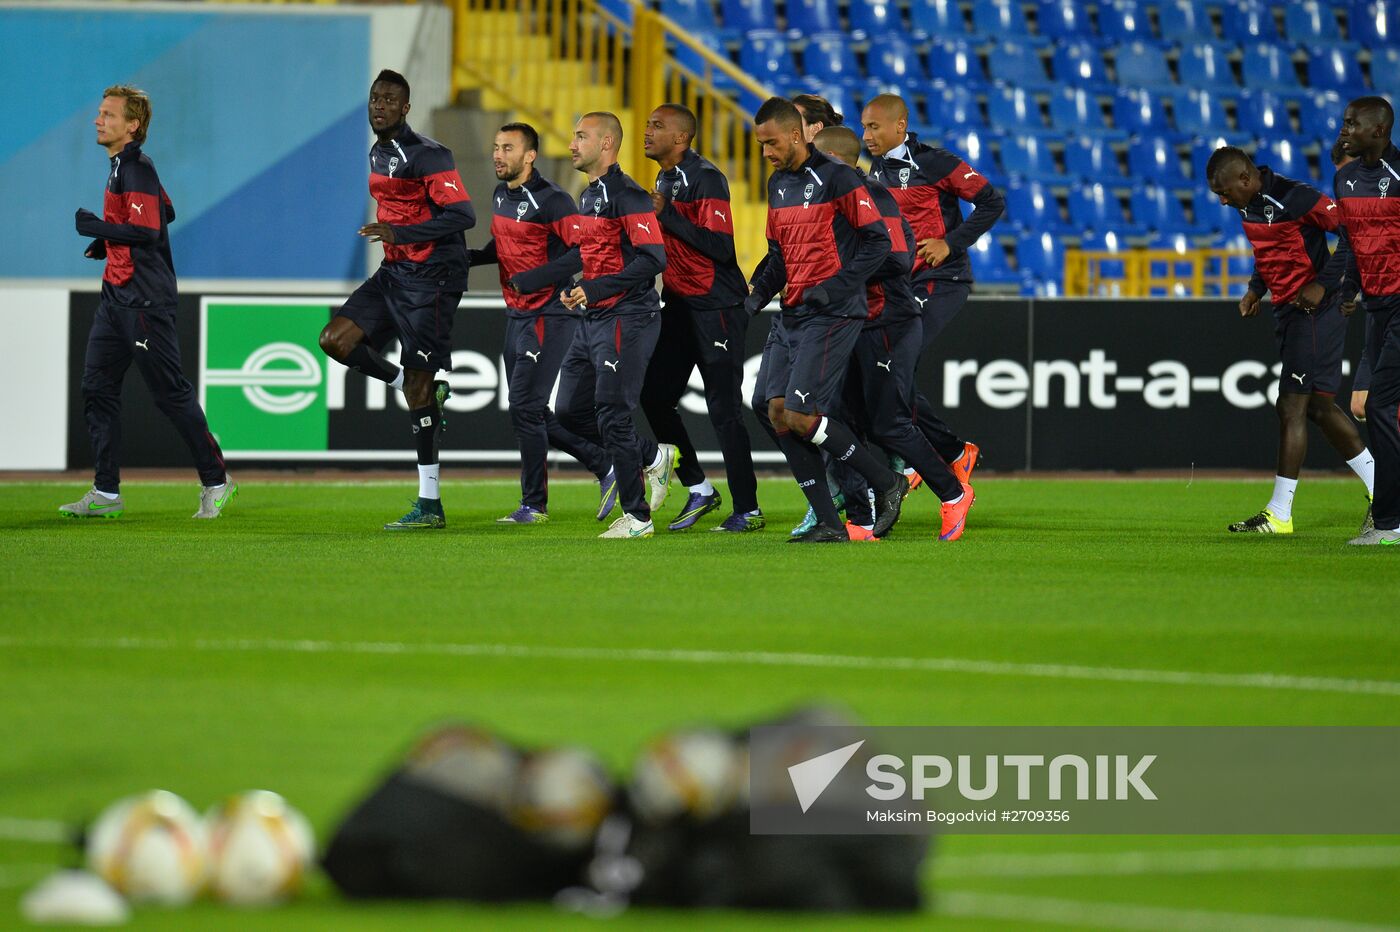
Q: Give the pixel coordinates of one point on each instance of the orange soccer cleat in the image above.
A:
(955, 514)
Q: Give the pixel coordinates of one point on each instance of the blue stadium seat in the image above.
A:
(1207, 65)
(1311, 22)
(1139, 111)
(689, 58)
(1265, 113)
(954, 107)
(1376, 23)
(1015, 109)
(876, 17)
(1179, 272)
(765, 55)
(1124, 21)
(1095, 208)
(1030, 157)
(1200, 113)
(892, 59)
(975, 147)
(1065, 21)
(697, 16)
(1031, 206)
(1184, 21)
(1018, 63)
(990, 266)
(954, 61)
(842, 97)
(1080, 64)
(1001, 19)
(937, 18)
(1335, 68)
(1040, 257)
(1246, 23)
(1091, 158)
(1286, 157)
(1142, 65)
(1160, 210)
(619, 8)
(1269, 67)
(1154, 159)
(1202, 149)
(1213, 216)
(807, 17)
(1074, 110)
(829, 59)
(1320, 115)
(745, 16)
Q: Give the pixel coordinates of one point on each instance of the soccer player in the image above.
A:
(1287, 223)
(136, 315)
(703, 321)
(423, 208)
(601, 377)
(535, 232)
(1366, 261)
(1361, 379)
(928, 182)
(881, 376)
(825, 238)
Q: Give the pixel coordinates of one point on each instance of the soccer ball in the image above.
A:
(562, 796)
(691, 773)
(468, 763)
(260, 849)
(150, 847)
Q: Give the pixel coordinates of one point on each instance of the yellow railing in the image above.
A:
(1142, 273)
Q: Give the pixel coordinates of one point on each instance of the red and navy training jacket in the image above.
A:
(1368, 252)
(415, 183)
(1287, 223)
(535, 233)
(928, 182)
(825, 239)
(621, 247)
(890, 293)
(698, 229)
(134, 234)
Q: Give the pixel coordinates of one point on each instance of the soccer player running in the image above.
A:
(703, 321)
(423, 207)
(1287, 223)
(136, 315)
(881, 376)
(928, 182)
(535, 233)
(1367, 260)
(825, 238)
(601, 377)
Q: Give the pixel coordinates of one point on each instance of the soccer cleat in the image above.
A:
(1377, 537)
(607, 494)
(915, 480)
(888, 503)
(856, 532)
(92, 505)
(441, 392)
(1262, 523)
(659, 478)
(1369, 523)
(697, 505)
(822, 534)
(739, 523)
(964, 465)
(809, 520)
(212, 501)
(628, 526)
(955, 515)
(525, 514)
(425, 515)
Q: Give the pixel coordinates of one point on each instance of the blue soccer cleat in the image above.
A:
(697, 505)
(426, 514)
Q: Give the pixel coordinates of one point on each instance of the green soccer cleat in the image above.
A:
(441, 392)
(1369, 523)
(426, 514)
(1376, 537)
(1262, 523)
(92, 505)
(809, 520)
(213, 501)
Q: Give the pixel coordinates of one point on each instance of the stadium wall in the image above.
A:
(1047, 385)
(259, 129)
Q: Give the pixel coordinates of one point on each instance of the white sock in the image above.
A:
(1281, 505)
(428, 481)
(656, 463)
(704, 488)
(110, 496)
(1364, 465)
(397, 381)
(954, 501)
(218, 487)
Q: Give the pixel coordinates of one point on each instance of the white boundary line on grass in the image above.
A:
(1102, 915)
(39, 831)
(1275, 681)
(1167, 861)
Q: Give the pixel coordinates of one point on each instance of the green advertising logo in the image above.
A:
(263, 377)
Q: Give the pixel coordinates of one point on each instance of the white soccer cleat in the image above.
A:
(214, 499)
(628, 526)
(1377, 538)
(659, 479)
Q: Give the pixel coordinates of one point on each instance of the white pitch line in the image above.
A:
(39, 831)
(1101, 915)
(1132, 863)
(1270, 681)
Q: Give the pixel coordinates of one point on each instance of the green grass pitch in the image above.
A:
(293, 645)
